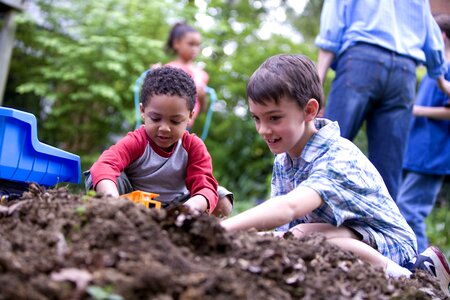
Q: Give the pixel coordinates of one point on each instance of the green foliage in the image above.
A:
(309, 22)
(102, 293)
(438, 228)
(80, 210)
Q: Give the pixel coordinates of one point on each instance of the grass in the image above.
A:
(438, 222)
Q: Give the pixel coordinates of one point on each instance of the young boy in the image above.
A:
(162, 156)
(321, 182)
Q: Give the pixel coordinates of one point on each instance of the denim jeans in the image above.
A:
(416, 198)
(377, 86)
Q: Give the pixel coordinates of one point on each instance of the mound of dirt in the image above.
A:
(57, 245)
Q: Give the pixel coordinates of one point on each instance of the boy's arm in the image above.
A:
(107, 187)
(199, 177)
(276, 211)
(114, 160)
(438, 113)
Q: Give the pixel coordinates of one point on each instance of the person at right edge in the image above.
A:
(427, 156)
(374, 47)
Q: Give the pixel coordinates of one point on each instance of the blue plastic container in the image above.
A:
(24, 159)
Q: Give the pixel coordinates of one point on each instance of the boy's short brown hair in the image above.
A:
(285, 75)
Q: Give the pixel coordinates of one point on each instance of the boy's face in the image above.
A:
(165, 119)
(284, 126)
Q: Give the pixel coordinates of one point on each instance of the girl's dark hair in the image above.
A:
(177, 32)
(169, 81)
(443, 21)
(284, 75)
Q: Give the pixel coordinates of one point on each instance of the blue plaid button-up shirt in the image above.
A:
(353, 191)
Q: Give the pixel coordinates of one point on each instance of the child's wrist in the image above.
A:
(197, 203)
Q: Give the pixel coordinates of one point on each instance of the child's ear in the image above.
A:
(311, 109)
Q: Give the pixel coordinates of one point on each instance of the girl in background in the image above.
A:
(184, 41)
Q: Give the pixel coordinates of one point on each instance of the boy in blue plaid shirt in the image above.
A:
(322, 182)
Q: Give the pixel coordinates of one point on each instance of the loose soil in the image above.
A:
(58, 245)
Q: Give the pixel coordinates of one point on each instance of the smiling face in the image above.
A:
(284, 125)
(165, 118)
(188, 45)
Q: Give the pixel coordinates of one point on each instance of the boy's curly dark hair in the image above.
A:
(169, 81)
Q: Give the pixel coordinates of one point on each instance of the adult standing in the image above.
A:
(374, 47)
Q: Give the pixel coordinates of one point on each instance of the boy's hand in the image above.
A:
(197, 204)
(107, 187)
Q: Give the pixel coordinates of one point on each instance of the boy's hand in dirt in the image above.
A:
(107, 187)
(197, 204)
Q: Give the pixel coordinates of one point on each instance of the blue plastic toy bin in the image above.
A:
(24, 159)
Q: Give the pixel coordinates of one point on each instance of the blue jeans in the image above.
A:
(416, 198)
(377, 86)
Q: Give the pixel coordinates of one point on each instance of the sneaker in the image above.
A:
(434, 262)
